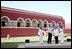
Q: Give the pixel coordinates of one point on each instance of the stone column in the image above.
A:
(31, 24)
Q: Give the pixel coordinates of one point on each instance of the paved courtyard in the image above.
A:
(45, 45)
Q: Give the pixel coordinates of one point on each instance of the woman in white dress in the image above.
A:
(40, 33)
(61, 34)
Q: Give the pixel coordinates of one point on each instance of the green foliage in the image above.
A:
(9, 45)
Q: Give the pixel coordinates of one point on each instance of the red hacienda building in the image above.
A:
(17, 23)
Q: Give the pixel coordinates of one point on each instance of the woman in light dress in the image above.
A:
(61, 34)
(40, 33)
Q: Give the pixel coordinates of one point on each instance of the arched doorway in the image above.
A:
(27, 23)
(53, 24)
(20, 23)
(60, 24)
(39, 23)
(45, 24)
(34, 23)
(4, 21)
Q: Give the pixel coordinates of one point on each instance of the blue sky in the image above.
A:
(61, 8)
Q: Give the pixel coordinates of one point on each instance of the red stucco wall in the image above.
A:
(20, 32)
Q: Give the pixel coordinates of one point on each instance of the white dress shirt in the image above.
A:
(49, 30)
(56, 32)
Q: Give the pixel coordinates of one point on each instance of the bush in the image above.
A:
(9, 45)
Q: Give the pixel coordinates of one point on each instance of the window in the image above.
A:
(45, 24)
(27, 23)
(39, 23)
(20, 23)
(4, 21)
(34, 24)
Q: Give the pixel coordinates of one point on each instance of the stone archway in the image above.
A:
(34, 23)
(20, 23)
(39, 23)
(4, 21)
(60, 24)
(53, 24)
(27, 23)
(45, 24)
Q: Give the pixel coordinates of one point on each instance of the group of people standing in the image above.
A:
(54, 29)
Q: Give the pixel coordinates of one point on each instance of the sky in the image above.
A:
(61, 8)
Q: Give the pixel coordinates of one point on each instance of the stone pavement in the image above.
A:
(21, 46)
(45, 45)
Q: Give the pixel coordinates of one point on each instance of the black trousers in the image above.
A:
(56, 39)
(49, 38)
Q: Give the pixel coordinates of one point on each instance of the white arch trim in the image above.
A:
(46, 21)
(35, 20)
(20, 18)
(60, 22)
(40, 20)
(28, 19)
(6, 17)
(54, 21)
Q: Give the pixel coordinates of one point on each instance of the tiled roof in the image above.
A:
(14, 14)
